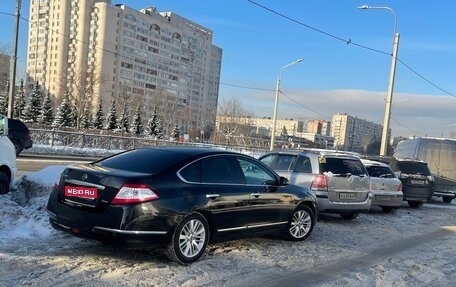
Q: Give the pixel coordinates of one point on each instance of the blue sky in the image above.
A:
(335, 77)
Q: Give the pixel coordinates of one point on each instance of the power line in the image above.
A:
(305, 107)
(349, 41)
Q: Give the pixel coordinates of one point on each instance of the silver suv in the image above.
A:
(338, 179)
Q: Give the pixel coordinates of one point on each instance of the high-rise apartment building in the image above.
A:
(321, 127)
(143, 59)
(354, 134)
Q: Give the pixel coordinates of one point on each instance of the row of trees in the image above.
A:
(38, 109)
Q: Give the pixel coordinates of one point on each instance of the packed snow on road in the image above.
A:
(411, 247)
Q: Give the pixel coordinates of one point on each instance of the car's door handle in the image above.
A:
(212, 195)
(256, 194)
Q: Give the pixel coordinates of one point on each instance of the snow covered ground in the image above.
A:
(412, 247)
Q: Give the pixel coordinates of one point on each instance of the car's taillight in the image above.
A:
(319, 183)
(399, 188)
(134, 193)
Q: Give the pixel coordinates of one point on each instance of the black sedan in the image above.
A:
(178, 197)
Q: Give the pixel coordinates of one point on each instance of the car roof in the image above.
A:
(368, 162)
(325, 152)
(190, 150)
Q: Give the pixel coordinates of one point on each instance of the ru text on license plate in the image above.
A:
(414, 181)
(81, 191)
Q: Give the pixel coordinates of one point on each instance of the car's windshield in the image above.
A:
(342, 166)
(413, 167)
(380, 171)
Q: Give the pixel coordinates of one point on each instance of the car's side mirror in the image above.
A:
(3, 125)
(283, 180)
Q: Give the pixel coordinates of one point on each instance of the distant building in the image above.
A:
(4, 73)
(321, 127)
(140, 58)
(354, 134)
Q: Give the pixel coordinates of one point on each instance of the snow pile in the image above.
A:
(23, 210)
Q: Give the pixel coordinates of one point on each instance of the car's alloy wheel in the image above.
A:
(301, 223)
(189, 239)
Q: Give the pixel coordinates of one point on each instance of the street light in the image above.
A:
(389, 96)
(274, 117)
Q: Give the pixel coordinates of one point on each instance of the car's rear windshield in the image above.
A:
(141, 160)
(342, 166)
(380, 171)
(413, 167)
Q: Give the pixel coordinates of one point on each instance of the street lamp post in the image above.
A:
(276, 102)
(389, 96)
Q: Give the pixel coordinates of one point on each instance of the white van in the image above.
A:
(8, 167)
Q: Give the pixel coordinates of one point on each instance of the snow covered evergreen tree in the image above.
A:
(137, 127)
(3, 102)
(176, 132)
(64, 116)
(47, 111)
(86, 119)
(19, 102)
(111, 118)
(160, 133)
(98, 120)
(33, 108)
(123, 124)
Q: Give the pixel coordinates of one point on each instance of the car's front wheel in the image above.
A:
(189, 239)
(447, 199)
(415, 204)
(301, 224)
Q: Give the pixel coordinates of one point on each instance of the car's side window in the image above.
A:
(192, 172)
(268, 160)
(303, 165)
(283, 162)
(256, 174)
(221, 169)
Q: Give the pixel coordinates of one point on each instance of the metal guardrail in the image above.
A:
(114, 142)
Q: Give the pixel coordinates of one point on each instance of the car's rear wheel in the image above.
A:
(387, 209)
(189, 239)
(415, 204)
(349, 216)
(301, 224)
(4, 183)
(447, 199)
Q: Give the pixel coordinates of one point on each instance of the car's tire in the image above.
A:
(387, 209)
(415, 204)
(447, 199)
(18, 146)
(4, 183)
(301, 224)
(189, 239)
(349, 216)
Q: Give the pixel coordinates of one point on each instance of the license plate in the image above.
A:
(414, 181)
(347, 196)
(383, 197)
(81, 191)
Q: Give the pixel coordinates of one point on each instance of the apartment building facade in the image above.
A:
(144, 58)
(354, 134)
(321, 127)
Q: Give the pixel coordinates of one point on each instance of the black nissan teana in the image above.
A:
(179, 197)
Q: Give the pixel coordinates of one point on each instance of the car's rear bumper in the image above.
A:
(417, 193)
(119, 225)
(387, 198)
(328, 206)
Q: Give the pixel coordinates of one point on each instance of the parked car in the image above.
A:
(8, 167)
(179, 197)
(19, 135)
(339, 180)
(417, 180)
(384, 185)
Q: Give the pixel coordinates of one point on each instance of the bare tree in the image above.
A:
(233, 121)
